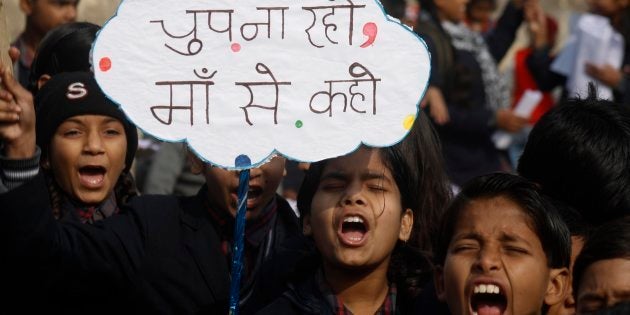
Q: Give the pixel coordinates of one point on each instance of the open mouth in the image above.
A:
(353, 230)
(254, 192)
(92, 175)
(488, 299)
(253, 197)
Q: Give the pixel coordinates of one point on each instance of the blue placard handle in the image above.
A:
(239, 237)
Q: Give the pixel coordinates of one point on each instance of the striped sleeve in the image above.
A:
(14, 173)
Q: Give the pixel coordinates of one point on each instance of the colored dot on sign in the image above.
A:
(408, 122)
(299, 124)
(105, 64)
(242, 161)
(236, 47)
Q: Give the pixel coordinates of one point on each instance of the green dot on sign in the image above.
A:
(299, 124)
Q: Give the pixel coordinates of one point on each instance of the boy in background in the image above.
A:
(41, 17)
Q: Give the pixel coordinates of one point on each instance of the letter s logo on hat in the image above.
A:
(76, 90)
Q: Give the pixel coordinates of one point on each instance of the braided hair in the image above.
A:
(124, 190)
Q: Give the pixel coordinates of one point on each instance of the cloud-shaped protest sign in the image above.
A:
(309, 79)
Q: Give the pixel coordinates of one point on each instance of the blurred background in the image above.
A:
(95, 11)
(98, 11)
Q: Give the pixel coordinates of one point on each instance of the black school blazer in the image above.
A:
(156, 257)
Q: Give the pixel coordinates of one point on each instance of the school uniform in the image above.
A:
(160, 255)
(313, 296)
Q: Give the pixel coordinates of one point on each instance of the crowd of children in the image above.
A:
(376, 231)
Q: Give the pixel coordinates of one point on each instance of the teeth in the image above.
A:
(487, 288)
(353, 219)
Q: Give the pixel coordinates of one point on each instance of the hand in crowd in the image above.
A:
(14, 54)
(510, 122)
(537, 24)
(437, 106)
(606, 74)
(17, 117)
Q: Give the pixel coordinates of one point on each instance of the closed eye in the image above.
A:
(516, 250)
(112, 132)
(465, 247)
(377, 187)
(332, 185)
(71, 133)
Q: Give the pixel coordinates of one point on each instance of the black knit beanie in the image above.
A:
(72, 94)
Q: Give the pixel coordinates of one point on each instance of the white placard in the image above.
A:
(309, 79)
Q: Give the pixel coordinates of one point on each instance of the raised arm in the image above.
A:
(17, 118)
(19, 158)
(500, 39)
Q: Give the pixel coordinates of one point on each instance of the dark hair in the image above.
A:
(545, 221)
(609, 241)
(579, 152)
(65, 48)
(621, 308)
(472, 3)
(418, 169)
(573, 219)
(431, 10)
(395, 8)
(124, 189)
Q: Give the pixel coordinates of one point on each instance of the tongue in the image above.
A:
(485, 309)
(353, 235)
(92, 179)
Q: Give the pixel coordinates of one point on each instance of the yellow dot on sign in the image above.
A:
(408, 122)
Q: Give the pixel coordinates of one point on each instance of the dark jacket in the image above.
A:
(161, 255)
(301, 298)
(410, 270)
(466, 138)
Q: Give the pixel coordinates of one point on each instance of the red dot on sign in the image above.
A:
(236, 47)
(105, 64)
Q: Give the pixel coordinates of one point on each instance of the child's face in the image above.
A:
(481, 11)
(48, 14)
(604, 284)
(452, 10)
(356, 215)
(494, 250)
(223, 186)
(87, 155)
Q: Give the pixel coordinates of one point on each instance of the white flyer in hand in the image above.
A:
(524, 108)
